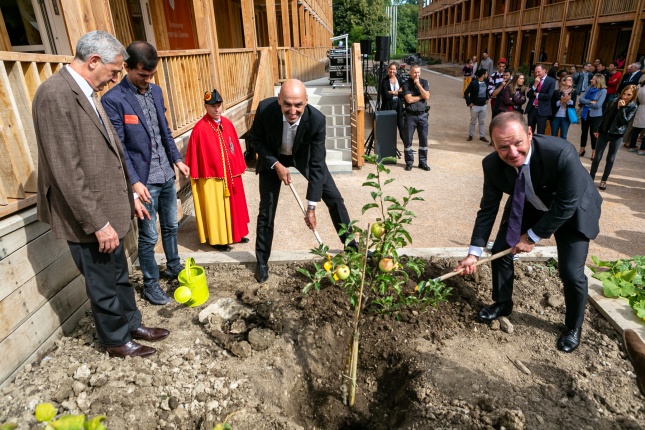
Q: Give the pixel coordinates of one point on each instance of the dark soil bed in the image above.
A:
(430, 369)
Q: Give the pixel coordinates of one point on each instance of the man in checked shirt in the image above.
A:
(136, 109)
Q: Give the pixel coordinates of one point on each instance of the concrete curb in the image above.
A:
(617, 311)
(284, 257)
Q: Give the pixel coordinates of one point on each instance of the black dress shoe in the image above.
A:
(489, 313)
(244, 240)
(151, 334)
(424, 167)
(407, 167)
(570, 340)
(222, 248)
(262, 273)
(130, 349)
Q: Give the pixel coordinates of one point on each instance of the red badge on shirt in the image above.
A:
(130, 119)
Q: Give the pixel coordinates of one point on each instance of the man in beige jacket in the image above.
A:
(84, 193)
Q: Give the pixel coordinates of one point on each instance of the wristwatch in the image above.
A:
(530, 240)
(311, 207)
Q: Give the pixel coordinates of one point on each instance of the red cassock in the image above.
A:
(214, 154)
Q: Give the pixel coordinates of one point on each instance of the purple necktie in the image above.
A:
(517, 207)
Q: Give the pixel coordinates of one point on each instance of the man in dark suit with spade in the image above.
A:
(287, 132)
(551, 194)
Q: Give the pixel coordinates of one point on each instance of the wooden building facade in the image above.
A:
(567, 31)
(241, 47)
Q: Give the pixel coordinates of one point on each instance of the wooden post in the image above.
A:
(295, 23)
(303, 29)
(5, 43)
(563, 33)
(637, 30)
(206, 36)
(595, 35)
(248, 22)
(538, 37)
(83, 16)
(272, 29)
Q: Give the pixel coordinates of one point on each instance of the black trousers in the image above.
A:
(572, 247)
(114, 308)
(270, 186)
(535, 121)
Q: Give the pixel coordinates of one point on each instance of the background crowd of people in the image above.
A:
(607, 104)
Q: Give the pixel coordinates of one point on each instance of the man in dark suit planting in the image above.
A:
(287, 132)
(551, 193)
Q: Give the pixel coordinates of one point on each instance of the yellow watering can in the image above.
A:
(193, 288)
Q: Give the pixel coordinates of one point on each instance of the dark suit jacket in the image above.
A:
(308, 148)
(137, 139)
(82, 178)
(544, 97)
(472, 94)
(631, 79)
(559, 180)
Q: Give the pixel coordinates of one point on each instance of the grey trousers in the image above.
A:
(477, 115)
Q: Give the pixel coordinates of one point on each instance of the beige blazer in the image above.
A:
(82, 178)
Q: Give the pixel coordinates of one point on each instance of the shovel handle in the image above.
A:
(480, 262)
(304, 212)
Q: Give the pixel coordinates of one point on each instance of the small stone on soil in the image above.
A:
(261, 339)
(506, 325)
(241, 349)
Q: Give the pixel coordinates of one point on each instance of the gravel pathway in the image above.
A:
(452, 190)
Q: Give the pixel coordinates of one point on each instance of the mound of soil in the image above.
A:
(278, 362)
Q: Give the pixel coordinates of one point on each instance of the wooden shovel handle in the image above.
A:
(304, 212)
(480, 262)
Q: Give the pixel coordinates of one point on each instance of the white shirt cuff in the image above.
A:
(310, 203)
(101, 229)
(273, 165)
(475, 250)
(533, 237)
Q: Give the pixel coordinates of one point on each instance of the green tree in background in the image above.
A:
(360, 19)
(406, 34)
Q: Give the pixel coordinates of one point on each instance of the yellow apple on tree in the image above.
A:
(378, 230)
(342, 272)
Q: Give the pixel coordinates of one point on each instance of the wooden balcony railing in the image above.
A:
(612, 7)
(553, 13)
(318, 52)
(513, 19)
(484, 23)
(184, 76)
(236, 74)
(20, 77)
(531, 16)
(581, 9)
(498, 21)
(303, 67)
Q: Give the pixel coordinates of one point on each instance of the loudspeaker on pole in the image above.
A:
(366, 47)
(382, 49)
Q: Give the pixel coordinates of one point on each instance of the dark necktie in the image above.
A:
(517, 208)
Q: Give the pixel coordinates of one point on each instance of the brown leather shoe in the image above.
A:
(636, 352)
(130, 349)
(151, 334)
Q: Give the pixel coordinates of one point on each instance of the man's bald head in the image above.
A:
(292, 99)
